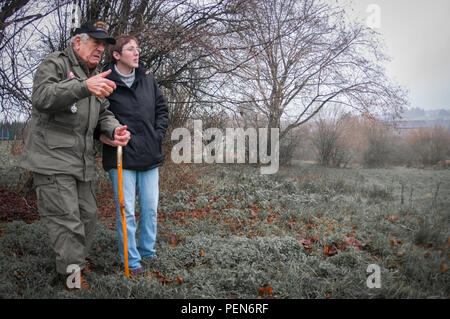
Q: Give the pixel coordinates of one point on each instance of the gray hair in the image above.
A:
(84, 38)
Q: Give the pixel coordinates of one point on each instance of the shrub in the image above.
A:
(430, 145)
(330, 140)
(378, 150)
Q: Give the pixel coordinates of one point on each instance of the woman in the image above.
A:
(138, 103)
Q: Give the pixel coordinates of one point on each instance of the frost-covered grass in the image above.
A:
(306, 232)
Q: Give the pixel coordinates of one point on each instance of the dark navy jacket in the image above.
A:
(143, 109)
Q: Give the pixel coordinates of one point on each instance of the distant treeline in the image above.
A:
(11, 130)
(423, 114)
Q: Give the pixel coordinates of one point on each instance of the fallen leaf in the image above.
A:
(443, 268)
(266, 290)
(202, 252)
(260, 293)
(179, 280)
(308, 241)
(330, 250)
(160, 278)
(341, 246)
(172, 241)
(393, 218)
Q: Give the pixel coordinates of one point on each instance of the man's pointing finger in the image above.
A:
(104, 74)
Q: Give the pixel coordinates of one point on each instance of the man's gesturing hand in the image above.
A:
(99, 86)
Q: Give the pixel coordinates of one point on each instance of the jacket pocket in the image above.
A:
(41, 179)
(48, 195)
(56, 136)
(67, 119)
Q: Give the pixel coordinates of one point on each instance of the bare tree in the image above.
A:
(280, 60)
(298, 56)
(13, 13)
(20, 53)
(178, 38)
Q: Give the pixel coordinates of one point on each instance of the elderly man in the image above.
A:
(68, 105)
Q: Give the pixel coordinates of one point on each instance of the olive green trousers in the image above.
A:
(68, 208)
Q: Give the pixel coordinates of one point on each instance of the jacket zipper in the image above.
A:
(85, 137)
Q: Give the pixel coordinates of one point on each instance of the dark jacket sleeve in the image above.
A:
(161, 112)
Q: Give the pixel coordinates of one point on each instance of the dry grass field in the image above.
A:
(305, 232)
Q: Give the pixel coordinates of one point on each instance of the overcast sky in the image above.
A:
(417, 38)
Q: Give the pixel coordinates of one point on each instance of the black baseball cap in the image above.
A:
(97, 30)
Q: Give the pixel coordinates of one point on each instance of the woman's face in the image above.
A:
(129, 57)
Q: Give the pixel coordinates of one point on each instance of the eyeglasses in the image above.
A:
(132, 49)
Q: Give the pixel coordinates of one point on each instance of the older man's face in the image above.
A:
(90, 51)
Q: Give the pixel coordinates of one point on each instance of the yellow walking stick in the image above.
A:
(122, 209)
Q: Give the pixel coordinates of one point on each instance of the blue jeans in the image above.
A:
(148, 193)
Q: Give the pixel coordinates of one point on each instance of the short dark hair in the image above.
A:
(121, 40)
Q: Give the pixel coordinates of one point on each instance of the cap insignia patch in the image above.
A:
(101, 26)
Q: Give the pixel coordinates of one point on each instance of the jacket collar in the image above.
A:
(140, 72)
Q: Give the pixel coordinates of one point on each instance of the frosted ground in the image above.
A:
(305, 232)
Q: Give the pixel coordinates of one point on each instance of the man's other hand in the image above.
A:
(121, 137)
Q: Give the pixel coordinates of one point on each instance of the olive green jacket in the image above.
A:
(63, 119)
